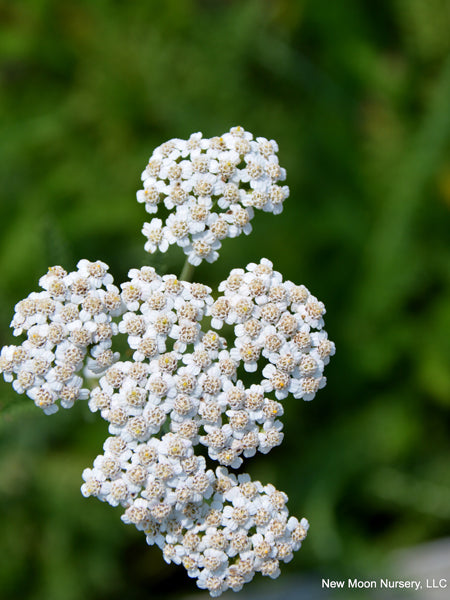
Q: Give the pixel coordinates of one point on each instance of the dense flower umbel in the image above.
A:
(179, 403)
(211, 188)
(181, 389)
(68, 325)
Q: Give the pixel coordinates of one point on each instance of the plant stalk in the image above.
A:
(187, 271)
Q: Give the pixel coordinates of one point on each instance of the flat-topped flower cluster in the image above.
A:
(211, 186)
(180, 412)
(69, 326)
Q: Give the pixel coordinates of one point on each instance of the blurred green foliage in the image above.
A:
(357, 95)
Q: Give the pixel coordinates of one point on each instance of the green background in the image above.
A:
(357, 95)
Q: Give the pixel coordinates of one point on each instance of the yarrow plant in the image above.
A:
(180, 404)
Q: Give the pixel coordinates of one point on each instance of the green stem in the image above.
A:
(187, 271)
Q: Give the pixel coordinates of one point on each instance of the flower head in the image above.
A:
(211, 187)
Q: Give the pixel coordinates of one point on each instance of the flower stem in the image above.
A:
(187, 271)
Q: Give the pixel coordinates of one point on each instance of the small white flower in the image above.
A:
(202, 247)
(156, 239)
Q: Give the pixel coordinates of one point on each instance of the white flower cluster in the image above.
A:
(275, 319)
(68, 325)
(182, 399)
(223, 529)
(182, 389)
(211, 188)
